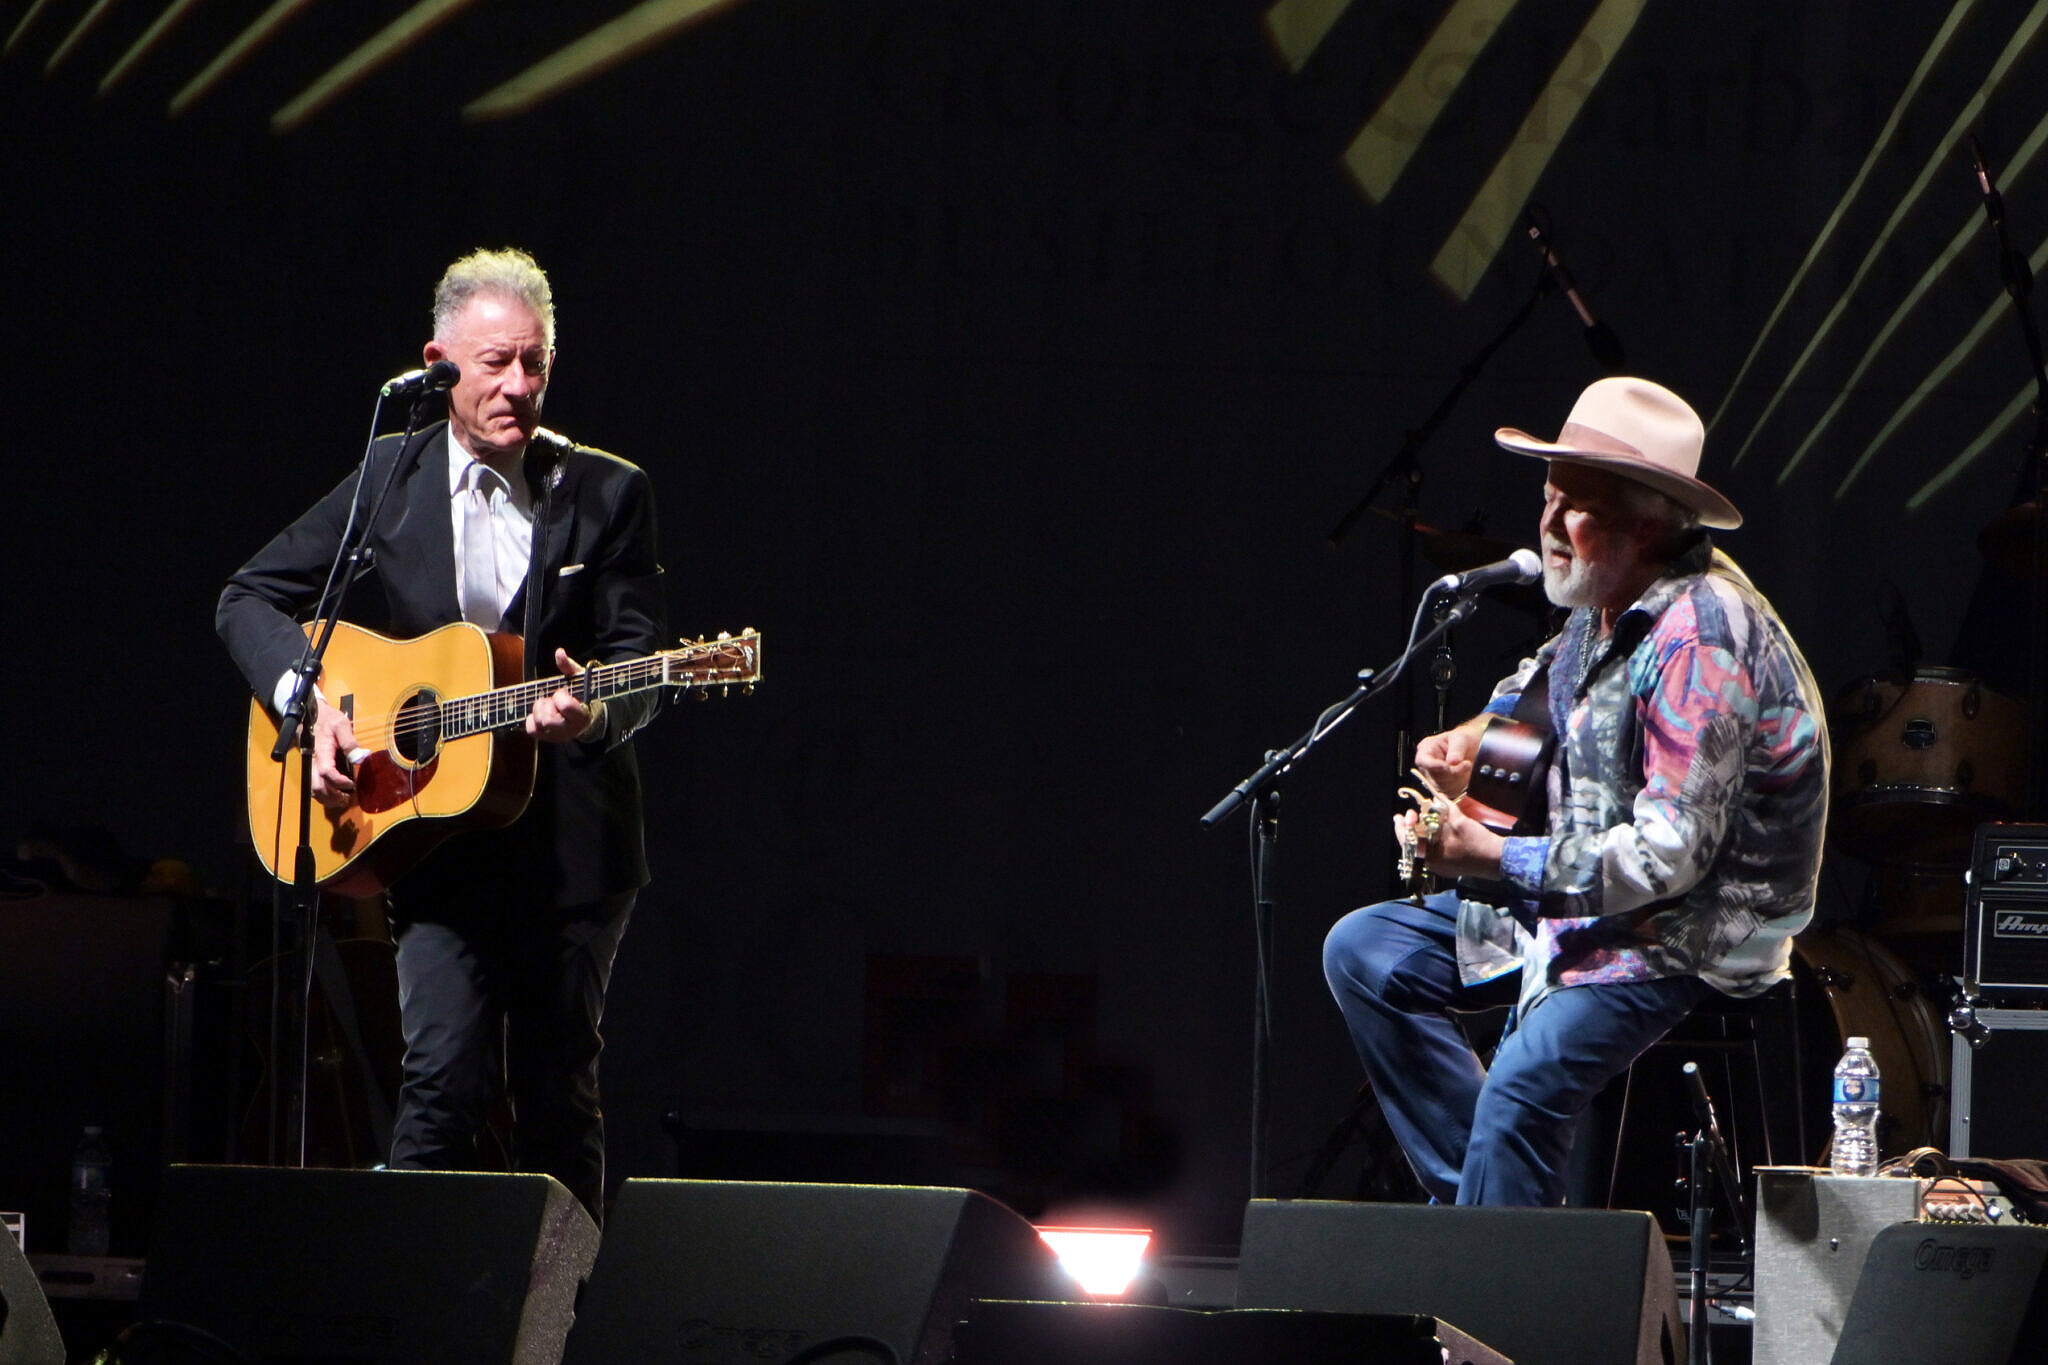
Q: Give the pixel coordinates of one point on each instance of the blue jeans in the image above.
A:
(1499, 1135)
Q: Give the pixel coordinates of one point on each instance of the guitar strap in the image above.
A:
(543, 471)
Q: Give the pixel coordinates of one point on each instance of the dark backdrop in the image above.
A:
(1007, 364)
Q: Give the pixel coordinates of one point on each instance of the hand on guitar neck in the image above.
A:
(1460, 846)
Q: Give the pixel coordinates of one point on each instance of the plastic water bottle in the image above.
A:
(92, 1195)
(1856, 1092)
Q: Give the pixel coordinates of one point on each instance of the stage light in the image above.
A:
(1103, 1261)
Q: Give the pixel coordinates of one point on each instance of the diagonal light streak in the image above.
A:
(22, 27)
(603, 47)
(2026, 153)
(396, 36)
(2021, 401)
(85, 25)
(151, 36)
(1932, 384)
(234, 54)
(1382, 149)
(1298, 27)
(1971, 111)
(1827, 229)
(1473, 244)
(1920, 289)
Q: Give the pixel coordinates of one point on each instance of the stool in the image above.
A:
(1749, 1057)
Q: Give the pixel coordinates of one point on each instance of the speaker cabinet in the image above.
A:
(370, 1267)
(1003, 1333)
(28, 1330)
(1541, 1286)
(1955, 1293)
(735, 1273)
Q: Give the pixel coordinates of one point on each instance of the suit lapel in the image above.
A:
(551, 475)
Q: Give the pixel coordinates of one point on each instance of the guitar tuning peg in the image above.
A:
(703, 694)
(725, 689)
(747, 690)
(724, 635)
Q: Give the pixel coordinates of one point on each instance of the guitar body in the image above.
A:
(413, 789)
(1507, 774)
(1507, 793)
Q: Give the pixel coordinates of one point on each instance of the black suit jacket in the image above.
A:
(599, 596)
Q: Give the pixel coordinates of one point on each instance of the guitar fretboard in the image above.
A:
(723, 662)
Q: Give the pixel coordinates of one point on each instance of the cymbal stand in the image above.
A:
(1406, 465)
(2019, 287)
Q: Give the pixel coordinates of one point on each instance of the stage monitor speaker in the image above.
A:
(28, 1330)
(1541, 1286)
(308, 1267)
(735, 1273)
(1960, 1294)
(1006, 1333)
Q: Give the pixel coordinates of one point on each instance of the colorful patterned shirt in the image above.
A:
(1688, 797)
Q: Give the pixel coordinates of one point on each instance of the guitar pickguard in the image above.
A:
(383, 783)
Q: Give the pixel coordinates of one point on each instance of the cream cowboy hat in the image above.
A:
(1641, 431)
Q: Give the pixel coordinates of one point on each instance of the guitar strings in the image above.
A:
(491, 710)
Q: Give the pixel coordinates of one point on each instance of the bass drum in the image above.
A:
(1919, 765)
(1851, 986)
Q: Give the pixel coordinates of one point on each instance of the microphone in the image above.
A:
(1605, 345)
(1994, 203)
(1520, 567)
(419, 383)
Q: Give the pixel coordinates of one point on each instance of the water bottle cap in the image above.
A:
(1859, 1042)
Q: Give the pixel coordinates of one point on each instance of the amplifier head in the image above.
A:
(2005, 916)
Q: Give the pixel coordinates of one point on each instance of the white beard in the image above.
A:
(1581, 583)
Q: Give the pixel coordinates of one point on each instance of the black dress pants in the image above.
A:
(500, 993)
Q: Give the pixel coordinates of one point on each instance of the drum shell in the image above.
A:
(1919, 765)
(1850, 985)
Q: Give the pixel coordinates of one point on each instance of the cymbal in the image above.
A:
(1456, 551)
(2007, 541)
(1453, 551)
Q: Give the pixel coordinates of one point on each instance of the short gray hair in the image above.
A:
(510, 274)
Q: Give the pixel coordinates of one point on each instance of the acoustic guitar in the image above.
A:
(1504, 794)
(442, 719)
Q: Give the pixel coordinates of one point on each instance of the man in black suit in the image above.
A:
(505, 938)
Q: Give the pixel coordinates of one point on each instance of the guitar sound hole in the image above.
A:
(417, 735)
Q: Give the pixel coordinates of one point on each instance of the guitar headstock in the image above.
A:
(722, 663)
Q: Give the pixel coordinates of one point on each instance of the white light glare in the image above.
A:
(1103, 1260)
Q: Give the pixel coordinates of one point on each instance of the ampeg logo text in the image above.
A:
(2020, 924)
(1964, 1261)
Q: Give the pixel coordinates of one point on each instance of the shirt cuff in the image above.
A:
(281, 695)
(1503, 705)
(1521, 861)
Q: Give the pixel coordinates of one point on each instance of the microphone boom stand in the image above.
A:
(1261, 789)
(295, 727)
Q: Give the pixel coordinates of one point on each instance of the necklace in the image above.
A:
(1586, 644)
